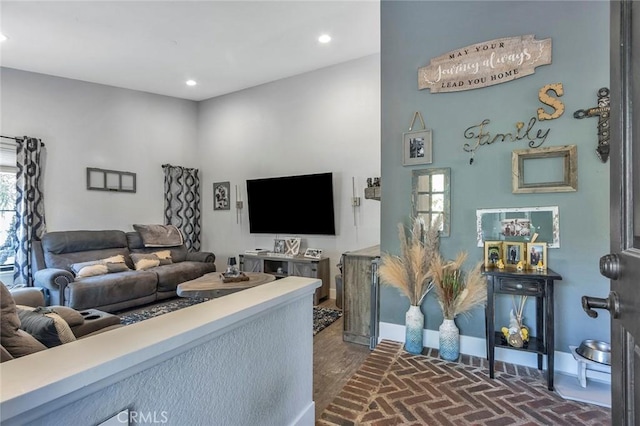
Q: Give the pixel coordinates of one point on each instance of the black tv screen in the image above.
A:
(300, 204)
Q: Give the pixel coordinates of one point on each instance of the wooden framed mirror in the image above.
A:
(552, 169)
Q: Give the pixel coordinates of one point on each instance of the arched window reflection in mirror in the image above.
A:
(431, 196)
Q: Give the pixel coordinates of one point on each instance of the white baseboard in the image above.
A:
(475, 346)
(307, 417)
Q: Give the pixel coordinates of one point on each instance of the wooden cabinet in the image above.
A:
(360, 296)
(284, 266)
(523, 283)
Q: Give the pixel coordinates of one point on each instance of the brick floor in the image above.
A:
(393, 387)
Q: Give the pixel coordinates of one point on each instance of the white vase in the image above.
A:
(414, 326)
(449, 340)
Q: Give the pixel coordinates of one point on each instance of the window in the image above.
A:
(430, 197)
(7, 217)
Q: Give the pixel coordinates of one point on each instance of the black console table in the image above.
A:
(538, 284)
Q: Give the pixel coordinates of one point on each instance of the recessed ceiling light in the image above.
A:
(3, 37)
(191, 83)
(324, 38)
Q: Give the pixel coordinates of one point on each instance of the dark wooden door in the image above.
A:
(622, 266)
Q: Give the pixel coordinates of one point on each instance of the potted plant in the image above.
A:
(457, 293)
(410, 273)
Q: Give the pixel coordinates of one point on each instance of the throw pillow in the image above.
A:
(70, 315)
(17, 342)
(143, 261)
(46, 326)
(164, 256)
(100, 267)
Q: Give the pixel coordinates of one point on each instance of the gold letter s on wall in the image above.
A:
(551, 101)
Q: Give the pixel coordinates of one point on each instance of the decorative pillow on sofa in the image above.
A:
(46, 326)
(159, 235)
(100, 267)
(144, 261)
(69, 315)
(17, 342)
(164, 256)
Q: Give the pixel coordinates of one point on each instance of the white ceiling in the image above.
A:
(155, 46)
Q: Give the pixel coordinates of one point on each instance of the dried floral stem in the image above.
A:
(457, 293)
(410, 272)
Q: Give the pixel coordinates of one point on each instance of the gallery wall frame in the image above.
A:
(521, 157)
(417, 147)
(221, 196)
(519, 224)
(110, 180)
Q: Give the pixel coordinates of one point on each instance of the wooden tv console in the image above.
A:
(285, 266)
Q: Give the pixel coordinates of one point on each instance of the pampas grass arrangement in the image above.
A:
(410, 272)
(457, 292)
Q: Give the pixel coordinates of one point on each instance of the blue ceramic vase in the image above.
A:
(449, 340)
(414, 325)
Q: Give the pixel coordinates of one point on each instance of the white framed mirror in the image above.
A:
(431, 197)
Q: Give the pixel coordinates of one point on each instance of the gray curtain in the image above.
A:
(182, 203)
(30, 221)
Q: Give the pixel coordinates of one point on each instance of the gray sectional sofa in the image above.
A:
(59, 257)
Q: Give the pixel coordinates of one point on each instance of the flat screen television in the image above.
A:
(301, 204)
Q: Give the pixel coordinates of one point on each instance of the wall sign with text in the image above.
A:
(485, 64)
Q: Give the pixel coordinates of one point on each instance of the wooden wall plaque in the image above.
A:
(485, 64)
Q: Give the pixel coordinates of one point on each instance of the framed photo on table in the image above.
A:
(416, 147)
(313, 253)
(512, 253)
(492, 253)
(278, 246)
(537, 256)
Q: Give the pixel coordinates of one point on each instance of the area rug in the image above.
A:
(322, 317)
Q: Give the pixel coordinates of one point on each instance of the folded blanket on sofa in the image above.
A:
(159, 235)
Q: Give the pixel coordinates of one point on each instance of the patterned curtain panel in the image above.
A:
(182, 203)
(30, 223)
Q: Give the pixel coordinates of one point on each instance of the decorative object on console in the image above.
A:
(513, 253)
(519, 224)
(373, 190)
(278, 246)
(416, 145)
(537, 181)
(602, 112)
(411, 274)
(221, 196)
(313, 253)
(457, 293)
(292, 246)
(110, 180)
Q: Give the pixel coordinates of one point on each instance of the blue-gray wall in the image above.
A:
(414, 32)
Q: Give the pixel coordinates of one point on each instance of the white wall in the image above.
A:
(91, 125)
(322, 121)
(326, 120)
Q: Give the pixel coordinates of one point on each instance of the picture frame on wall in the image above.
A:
(313, 253)
(536, 253)
(519, 224)
(512, 253)
(221, 196)
(278, 246)
(417, 147)
(492, 253)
